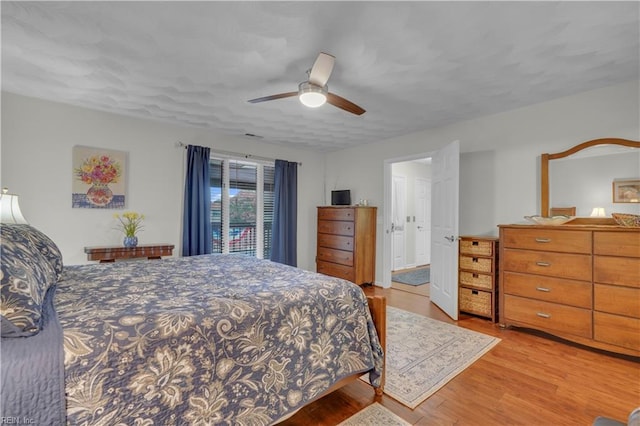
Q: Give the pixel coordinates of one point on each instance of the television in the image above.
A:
(341, 197)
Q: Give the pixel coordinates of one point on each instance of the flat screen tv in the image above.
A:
(341, 197)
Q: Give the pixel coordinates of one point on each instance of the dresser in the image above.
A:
(577, 282)
(478, 276)
(347, 243)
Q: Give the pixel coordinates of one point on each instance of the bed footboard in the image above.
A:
(378, 308)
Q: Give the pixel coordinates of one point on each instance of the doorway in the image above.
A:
(411, 224)
(444, 206)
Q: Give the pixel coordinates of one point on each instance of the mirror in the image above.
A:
(591, 155)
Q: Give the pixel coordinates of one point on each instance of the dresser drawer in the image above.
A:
(548, 316)
(548, 289)
(616, 243)
(476, 280)
(476, 247)
(475, 301)
(477, 264)
(617, 300)
(336, 270)
(617, 330)
(335, 241)
(336, 214)
(335, 256)
(617, 270)
(548, 240)
(336, 227)
(561, 265)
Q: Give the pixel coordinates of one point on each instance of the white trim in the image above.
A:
(260, 211)
(225, 207)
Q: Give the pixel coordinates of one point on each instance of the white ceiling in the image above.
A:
(411, 65)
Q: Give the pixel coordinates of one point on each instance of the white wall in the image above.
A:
(500, 155)
(37, 138)
(499, 165)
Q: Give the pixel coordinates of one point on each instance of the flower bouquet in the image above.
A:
(130, 224)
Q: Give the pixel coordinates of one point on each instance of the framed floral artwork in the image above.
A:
(99, 178)
(626, 191)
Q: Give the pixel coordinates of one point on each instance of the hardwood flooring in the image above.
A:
(525, 380)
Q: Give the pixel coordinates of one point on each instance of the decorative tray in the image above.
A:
(553, 220)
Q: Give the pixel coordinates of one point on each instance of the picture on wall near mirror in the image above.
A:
(626, 191)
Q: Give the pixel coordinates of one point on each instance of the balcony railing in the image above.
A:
(242, 238)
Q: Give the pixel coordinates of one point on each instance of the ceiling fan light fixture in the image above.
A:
(312, 95)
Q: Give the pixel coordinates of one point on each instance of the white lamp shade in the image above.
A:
(598, 212)
(10, 209)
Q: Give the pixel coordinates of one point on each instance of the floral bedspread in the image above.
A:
(216, 339)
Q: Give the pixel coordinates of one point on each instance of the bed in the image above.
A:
(214, 339)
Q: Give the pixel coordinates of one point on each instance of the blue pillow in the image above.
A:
(47, 248)
(26, 276)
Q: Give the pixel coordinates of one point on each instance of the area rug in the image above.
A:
(417, 277)
(424, 354)
(375, 415)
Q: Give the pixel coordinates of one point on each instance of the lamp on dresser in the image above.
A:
(10, 208)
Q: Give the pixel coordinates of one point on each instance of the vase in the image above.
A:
(130, 242)
(99, 194)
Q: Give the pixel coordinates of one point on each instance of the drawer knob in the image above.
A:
(544, 264)
(543, 289)
(543, 315)
(543, 240)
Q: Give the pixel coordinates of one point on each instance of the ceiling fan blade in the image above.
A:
(273, 97)
(344, 104)
(321, 69)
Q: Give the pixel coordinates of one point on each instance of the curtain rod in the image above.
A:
(237, 154)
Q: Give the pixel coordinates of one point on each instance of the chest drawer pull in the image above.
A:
(543, 240)
(544, 289)
(543, 315)
(545, 264)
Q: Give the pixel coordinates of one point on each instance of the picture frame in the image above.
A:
(626, 190)
(99, 178)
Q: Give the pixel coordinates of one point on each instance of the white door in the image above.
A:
(444, 228)
(398, 197)
(423, 221)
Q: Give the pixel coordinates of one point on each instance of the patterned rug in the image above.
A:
(417, 277)
(423, 354)
(374, 415)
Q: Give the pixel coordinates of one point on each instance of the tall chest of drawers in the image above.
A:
(347, 243)
(580, 283)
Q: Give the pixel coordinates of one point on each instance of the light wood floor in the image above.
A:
(524, 380)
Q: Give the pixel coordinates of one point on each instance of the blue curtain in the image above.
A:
(285, 213)
(196, 222)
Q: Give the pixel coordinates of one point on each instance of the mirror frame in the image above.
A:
(544, 164)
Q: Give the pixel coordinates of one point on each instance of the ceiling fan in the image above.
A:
(314, 92)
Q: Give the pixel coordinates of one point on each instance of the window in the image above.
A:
(241, 206)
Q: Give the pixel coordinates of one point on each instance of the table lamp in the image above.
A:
(10, 209)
